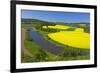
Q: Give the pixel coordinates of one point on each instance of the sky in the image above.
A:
(55, 16)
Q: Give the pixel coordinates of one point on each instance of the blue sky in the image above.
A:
(53, 16)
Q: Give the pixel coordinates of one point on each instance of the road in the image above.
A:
(23, 49)
(44, 44)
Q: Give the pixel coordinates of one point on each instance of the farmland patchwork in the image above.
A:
(48, 41)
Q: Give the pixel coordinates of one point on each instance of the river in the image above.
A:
(44, 44)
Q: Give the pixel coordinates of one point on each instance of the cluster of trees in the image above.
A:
(74, 52)
(85, 26)
(40, 56)
(87, 29)
(47, 29)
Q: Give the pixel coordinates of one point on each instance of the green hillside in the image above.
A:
(34, 21)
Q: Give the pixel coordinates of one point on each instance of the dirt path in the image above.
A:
(23, 49)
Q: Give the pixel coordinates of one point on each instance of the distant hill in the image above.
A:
(35, 22)
(41, 22)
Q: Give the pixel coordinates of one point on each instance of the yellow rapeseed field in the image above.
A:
(58, 27)
(77, 38)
